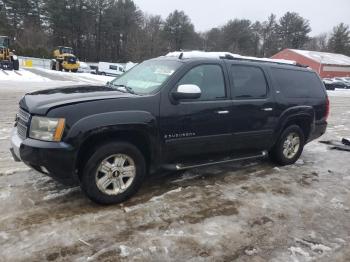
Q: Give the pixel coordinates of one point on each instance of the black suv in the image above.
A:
(174, 112)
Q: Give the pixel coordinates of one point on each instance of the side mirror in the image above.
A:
(187, 92)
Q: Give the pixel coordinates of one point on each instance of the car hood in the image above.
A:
(40, 102)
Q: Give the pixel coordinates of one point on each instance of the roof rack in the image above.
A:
(230, 56)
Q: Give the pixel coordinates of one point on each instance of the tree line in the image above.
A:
(118, 31)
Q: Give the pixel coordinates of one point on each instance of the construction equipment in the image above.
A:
(8, 59)
(64, 59)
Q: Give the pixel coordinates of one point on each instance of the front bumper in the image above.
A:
(15, 145)
(56, 160)
(69, 66)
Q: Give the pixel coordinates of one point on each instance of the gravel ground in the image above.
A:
(251, 211)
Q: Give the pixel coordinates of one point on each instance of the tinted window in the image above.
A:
(210, 80)
(297, 84)
(112, 67)
(248, 82)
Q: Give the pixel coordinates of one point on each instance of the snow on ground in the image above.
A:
(22, 75)
(31, 79)
(339, 92)
(79, 77)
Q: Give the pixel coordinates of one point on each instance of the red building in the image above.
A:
(326, 64)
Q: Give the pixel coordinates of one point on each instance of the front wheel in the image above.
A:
(59, 66)
(289, 146)
(113, 173)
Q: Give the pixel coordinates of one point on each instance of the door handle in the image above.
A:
(268, 109)
(223, 112)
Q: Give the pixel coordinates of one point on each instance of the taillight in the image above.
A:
(327, 108)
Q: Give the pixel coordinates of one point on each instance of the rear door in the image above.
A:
(253, 108)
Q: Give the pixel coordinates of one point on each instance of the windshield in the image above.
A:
(66, 50)
(147, 77)
(4, 41)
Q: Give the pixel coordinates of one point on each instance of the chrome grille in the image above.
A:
(23, 115)
(22, 123)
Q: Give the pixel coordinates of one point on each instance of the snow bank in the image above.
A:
(78, 77)
(339, 93)
(40, 78)
(29, 86)
(21, 75)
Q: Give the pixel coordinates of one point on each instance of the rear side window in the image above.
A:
(297, 84)
(248, 82)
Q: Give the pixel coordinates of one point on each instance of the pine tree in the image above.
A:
(339, 41)
(293, 31)
(179, 31)
(269, 36)
(238, 37)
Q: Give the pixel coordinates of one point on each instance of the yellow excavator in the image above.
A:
(8, 59)
(64, 59)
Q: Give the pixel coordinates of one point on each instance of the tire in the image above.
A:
(74, 70)
(284, 151)
(101, 180)
(15, 65)
(59, 66)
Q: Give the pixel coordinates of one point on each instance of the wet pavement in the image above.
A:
(252, 211)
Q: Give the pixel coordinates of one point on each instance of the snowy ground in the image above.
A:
(247, 212)
(37, 78)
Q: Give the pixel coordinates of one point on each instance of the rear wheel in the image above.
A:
(113, 173)
(15, 64)
(289, 146)
(53, 65)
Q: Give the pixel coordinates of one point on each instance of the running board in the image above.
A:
(211, 162)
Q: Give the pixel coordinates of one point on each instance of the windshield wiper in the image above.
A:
(126, 88)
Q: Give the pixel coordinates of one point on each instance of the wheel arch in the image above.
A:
(303, 116)
(137, 137)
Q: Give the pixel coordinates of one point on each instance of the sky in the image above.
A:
(322, 14)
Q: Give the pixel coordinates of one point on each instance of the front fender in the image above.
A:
(95, 128)
(113, 121)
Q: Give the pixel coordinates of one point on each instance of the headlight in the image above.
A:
(47, 129)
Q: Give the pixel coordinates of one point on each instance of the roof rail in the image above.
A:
(228, 55)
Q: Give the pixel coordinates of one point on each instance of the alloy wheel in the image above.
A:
(291, 145)
(115, 174)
